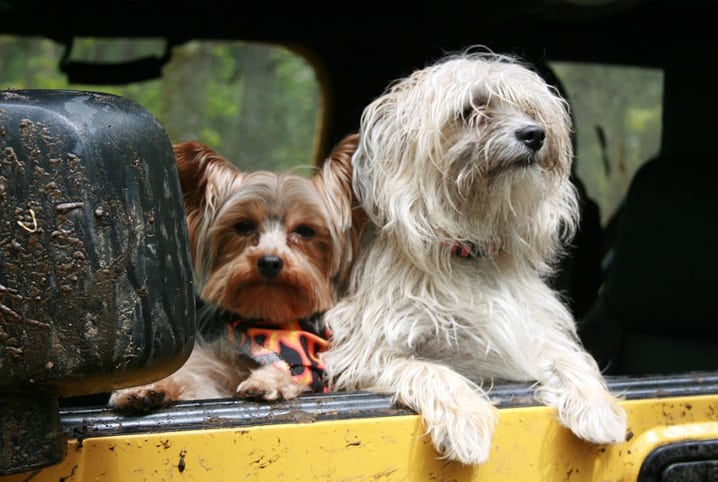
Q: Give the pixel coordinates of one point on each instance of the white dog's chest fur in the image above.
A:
(476, 323)
(471, 316)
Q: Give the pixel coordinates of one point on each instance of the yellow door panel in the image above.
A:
(528, 445)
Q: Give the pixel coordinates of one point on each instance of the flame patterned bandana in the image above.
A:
(292, 346)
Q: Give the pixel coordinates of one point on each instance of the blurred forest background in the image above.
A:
(617, 124)
(260, 105)
(255, 104)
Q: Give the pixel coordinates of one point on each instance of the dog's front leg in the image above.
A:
(270, 382)
(572, 383)
(457, 413)
(195, 380)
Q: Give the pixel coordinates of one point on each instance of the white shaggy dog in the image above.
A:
(463, 170)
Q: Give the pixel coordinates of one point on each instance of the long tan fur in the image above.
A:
(237, 221)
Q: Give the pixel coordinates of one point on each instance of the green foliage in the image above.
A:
(255, 104)
(623, 104)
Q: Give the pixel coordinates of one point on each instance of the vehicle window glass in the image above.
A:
(256, 104)
(617, 118)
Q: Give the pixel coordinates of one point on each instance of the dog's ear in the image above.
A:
(197, 165)
(334, 181)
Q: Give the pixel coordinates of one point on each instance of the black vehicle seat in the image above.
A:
(657, 311)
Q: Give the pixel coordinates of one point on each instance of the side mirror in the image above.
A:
(95, 273)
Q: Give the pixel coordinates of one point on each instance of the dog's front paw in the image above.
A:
(269, 383)
(462, 432)
(599, 419)
(140, 399)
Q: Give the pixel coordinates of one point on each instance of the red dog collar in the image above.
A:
(467, 249)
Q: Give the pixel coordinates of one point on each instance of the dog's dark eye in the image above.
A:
(468, 112)
(245, 227)
(474, 108)
(304, 231)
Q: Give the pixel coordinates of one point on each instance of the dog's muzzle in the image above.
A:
(531, 138)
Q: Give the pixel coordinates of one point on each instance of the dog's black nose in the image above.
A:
(270, 266)
(533, 136)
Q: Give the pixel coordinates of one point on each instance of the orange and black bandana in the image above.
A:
(292, 346)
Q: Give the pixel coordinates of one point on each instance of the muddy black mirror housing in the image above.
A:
(95, 273)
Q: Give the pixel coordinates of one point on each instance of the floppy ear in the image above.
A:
(198, 166)
(334, 181)
(201, 171)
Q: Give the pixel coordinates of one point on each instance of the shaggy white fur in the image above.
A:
(474, 149)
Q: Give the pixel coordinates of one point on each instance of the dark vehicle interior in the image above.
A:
(657, 291)
(641, 274)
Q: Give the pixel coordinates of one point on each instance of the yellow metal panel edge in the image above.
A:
(529, 445)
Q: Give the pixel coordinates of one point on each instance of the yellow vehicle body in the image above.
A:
(666, 321)
(328, 443)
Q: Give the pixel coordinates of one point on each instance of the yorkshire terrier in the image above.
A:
(463, 170)
(270, 253)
